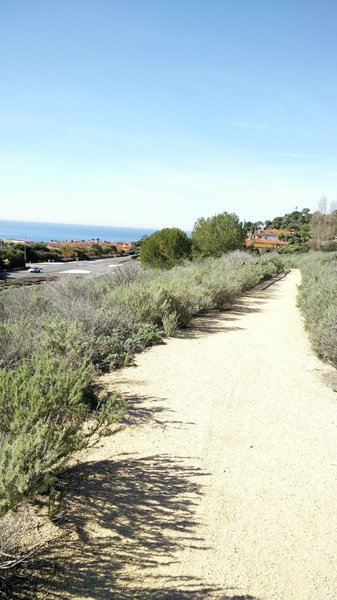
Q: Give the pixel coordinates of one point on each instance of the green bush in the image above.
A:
(12, 256)
(294, 248)
(318, 301)
(43, 406)
(165, 248)
(217, 235)
(42, 409)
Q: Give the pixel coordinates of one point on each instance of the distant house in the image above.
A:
(264, 239)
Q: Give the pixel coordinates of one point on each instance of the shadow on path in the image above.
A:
(121, 520)
(220, 321)
(144, 409)
(216, 322)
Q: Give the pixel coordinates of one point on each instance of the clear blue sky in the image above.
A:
(155, 112)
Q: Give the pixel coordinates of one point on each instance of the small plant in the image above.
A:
(54, 503)
(170, 324)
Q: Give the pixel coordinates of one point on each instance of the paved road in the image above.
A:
(83, 268)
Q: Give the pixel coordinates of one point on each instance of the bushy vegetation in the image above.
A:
(39, 252)
(15, 255)
(318, 301)
(85, 251)
(41, 412)
(293, 221)
(165, 248)
(213, 236)
(82, 328)
(11, 257)
(106, 320)
(218, 234)
(43, 405)
(15, 557)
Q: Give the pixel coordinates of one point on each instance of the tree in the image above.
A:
(292, 221)
(323, 228)
(218, 234)
(276, 223)
(165, 248)
(12, 256)
(247, 225)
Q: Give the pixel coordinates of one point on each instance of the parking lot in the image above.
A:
(78, 269)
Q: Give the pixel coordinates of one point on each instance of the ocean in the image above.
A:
(47, 232)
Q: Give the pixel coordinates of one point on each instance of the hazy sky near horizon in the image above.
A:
(152, 113)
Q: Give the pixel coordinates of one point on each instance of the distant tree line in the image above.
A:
(224, 232)
(14, 255)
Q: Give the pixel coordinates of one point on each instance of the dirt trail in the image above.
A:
(223, 484)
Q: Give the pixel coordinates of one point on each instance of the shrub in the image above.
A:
(165, 248)
(318, 301)
(14, 557)
(41, 413)
(217, 235)
(330, 247)
(42, 410)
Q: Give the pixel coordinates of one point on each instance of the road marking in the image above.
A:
(71, 271)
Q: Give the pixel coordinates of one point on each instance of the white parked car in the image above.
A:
(34, 270)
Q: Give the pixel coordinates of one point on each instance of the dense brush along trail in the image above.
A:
(222, 484)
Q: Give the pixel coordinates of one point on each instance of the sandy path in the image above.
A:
(224, 483)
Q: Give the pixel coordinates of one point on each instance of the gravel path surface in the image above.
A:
(223, 484)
